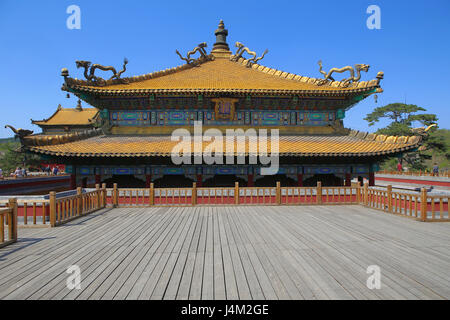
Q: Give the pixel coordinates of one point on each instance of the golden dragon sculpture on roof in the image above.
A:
(346, 81)
(89, 71)
(240, 51)
(200, 49)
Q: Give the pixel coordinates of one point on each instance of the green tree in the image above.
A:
(402, 116)
(12, 157)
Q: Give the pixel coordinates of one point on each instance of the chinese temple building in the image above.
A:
(132, 145)
(66, 120)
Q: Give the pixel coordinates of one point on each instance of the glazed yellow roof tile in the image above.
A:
(219, 75)
(69, 116)
(146, 146)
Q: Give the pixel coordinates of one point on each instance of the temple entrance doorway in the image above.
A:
(271, 181)
(327, 180)
(124, 181)
(173, 181)
(223, 181)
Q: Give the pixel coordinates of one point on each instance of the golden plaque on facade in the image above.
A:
(224, 108)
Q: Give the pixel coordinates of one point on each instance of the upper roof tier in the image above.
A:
(70, 117)
(219, 72)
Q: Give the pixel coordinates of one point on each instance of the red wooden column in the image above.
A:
(371, 178)
(348, 179)
(250, 180)
(98, 179)
(148, 180)
(84, 182)
(300, 179)
(73, 181)
(199, 180)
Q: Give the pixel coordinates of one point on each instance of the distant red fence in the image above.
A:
(425, 173)
(411, 180)
(29, 184)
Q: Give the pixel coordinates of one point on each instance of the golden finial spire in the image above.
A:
(221, 46)
(79, 108)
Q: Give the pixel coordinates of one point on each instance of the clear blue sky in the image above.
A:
(412, 47)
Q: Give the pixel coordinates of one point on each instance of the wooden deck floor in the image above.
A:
(272, 252)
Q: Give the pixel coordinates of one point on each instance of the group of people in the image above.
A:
(22, 172)
(51, 171)
(19, 172)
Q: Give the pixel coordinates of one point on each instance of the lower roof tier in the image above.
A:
(354, 144)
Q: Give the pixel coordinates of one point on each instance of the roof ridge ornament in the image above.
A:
(45, 140)
(89, 72)
(195, 62)
(240, 51)
(423, 131)
(20, 133)
(344, 82)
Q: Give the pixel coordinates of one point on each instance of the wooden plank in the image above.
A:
(195, 292)
(102, 284)
(146, 281)
(95, 266)
(186, 279)
(262, 282)
(270, 271)
(175, 280)
(19, 258)
(295, 279)
(239, 273)
(41, 275)
(219, 277)
(47, 249)
(162, 270)
(231, 289)
(136, 281)
(128, 269)
(169, 270)
(217, 252)
(208, 263)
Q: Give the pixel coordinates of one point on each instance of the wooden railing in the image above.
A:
(8, 223)
(439, 207)
(425, 173)
(219, 195)
(402, 203)
(236, 195)
(258, 195)
(319, 195)
(68, 208)
(56, 211)
(34, 212)
(420, 206)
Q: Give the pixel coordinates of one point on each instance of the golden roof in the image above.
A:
(221, 75)
(69, 116)
(354, 144)
(220, 71)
